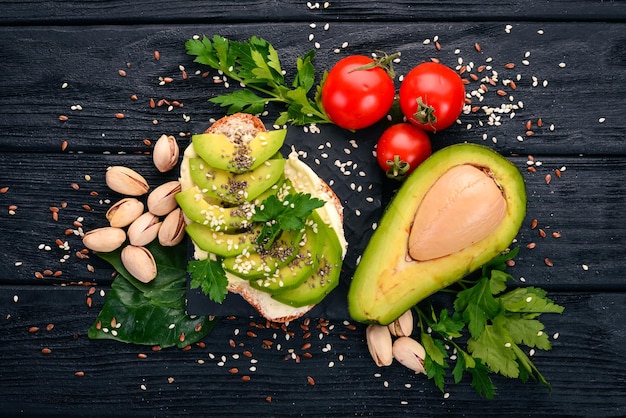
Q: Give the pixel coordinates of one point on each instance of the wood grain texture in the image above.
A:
(117, 382)
(44, 44)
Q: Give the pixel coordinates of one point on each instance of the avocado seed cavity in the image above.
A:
(464, 206)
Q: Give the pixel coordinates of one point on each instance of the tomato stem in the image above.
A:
(398, 168)
(385, 62)
(425, 114)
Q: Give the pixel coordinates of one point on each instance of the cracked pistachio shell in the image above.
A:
(409, 353)
(144, 229)
(379, 344)
(162, 200)
(165, 153)
(403, 326)
(172, 228)
(139, 262)
(124, 212)
(126, 181)
(104, 239)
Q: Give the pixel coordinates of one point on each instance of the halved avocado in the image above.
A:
(236, 188)
(220, 243)
(428, 239)
(253, 265)
(315, 288)
(238, 155)
(215, 217)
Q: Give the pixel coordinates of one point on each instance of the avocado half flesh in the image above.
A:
(392, 276)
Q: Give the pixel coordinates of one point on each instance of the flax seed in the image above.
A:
(87, 207)
(542, 233)
(310, 380)
(245, 378)
(122, 73)
(75, 186)
(134, 97)
(49, 327)
(63, 145)
(33, 329)
(157, 55)
(548, 178)
(251, 334)
(530, 133)
(557, 172)
(548, 262)
(63, 118)
(539, 122)
(513, 85)
(477, 47)
(556, 235)
(181, 338)
(474, 77)
(89, 301)
(305, 346)
(79, 374)
(57, 273)
(233, 370)
(46, 351)
(529, 125)
(307, 355)
(533, 223)
(501, 93)
(531, 245)
(198, 328)
(532, 169)
(437, 46)
(509, 65)
(4, 189)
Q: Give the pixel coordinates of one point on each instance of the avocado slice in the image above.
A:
(240, 154)
(414, 252)
(256, 265)
(220, 243)
(299, 269)
(236, 188)
(215, 217)
(315, 288)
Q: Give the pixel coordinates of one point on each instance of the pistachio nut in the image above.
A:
(126, 181)
(124, 212)
(139, 262)
(409, 353)
(165, 153)
(161, 200)
(104, 239)
(379, 344)
(144, 229)
(172, 228)
(403, 326)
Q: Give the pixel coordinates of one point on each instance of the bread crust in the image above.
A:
(268, 308)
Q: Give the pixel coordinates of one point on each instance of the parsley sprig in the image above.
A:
(210, 277)
(497, 323)
(288, 214)
(255, 64)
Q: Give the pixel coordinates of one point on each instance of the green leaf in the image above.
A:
(209, 276)
(481, 382)
(241, 101)
(459, 368)
(435, 371)
(448, 326)
(305, 76)
(434, 349)
(524, 331)
(144, 312)
(493, 347)
(129, 316)
(476, 306)
(529, 299)
(287, 214)
(497, 282)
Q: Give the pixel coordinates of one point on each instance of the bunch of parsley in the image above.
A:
(499, 322)
(255, 64)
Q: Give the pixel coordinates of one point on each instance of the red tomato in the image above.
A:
(355, 98)
(401, 148)
(432, 96)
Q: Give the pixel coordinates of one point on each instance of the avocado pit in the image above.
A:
(462, 207)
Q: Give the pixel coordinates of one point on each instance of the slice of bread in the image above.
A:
(245, 124)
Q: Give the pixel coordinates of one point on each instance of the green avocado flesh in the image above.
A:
(325, 278)
(235, 188)
(389, 278)
(215, 217)
(221, 243)
(239, 156)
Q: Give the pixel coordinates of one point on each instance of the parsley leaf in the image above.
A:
(494, 322)
(283, 215)
(255, 64)
(210, 277)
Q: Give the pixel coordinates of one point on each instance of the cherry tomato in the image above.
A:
(355, 97)
(432, 96)
(401, 148)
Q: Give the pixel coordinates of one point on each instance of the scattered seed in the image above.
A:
(533, 223)
(548, 178)
(556, 234)
(245, 378)
(310, 380)
(477, 47)
(46, 351)
(120, 116)
(4, 189)
(63, 118)
(542, 233)
(33, 329)
(49, 327)
(531, 245)
(509, 65)
(548, 262)
(79, 374)
(63, 145)
(157, 55)
(122, 73)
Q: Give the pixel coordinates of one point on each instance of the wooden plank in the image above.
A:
(65, 12)
(584, 206)
(586, 368)
(88, 59)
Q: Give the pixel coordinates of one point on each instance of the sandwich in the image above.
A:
(233, 175)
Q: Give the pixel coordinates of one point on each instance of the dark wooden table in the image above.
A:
(62, 58)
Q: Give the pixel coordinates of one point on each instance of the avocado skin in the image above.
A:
(387, 282)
